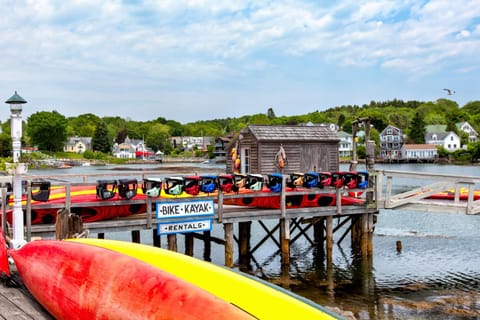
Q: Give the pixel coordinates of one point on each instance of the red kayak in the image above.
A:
(109, 199)
(80, 281)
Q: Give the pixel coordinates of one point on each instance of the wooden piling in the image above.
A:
(172, 242)
(207, 246)
(189, 244)
(228, 234)
(329, 244)
(285, 240)
(244, 233)
(136, 236)
(156, 238)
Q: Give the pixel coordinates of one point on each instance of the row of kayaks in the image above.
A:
(256, 190)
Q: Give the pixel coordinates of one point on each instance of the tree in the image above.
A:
(417, 129)
(47, 130)
(5, 145)
(100, 140)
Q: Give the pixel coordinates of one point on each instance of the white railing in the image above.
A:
(419, 187)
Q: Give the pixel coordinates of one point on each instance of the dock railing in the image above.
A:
(421, 190)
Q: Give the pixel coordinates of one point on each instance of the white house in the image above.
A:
(418, 152)
(345, 146)
(466, 127)
(449, 140)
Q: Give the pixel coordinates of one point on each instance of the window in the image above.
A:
(245, 160)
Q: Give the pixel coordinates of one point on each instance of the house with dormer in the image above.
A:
(448, 140)
(391, 142)
(464, 126)
(129, 149)
(78, 144)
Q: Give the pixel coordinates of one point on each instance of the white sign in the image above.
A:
(185, 209)
(184, 226)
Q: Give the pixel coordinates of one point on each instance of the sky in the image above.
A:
(209, 59)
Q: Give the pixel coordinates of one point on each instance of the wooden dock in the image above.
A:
(17, 303)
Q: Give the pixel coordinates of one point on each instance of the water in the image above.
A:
(435, 276)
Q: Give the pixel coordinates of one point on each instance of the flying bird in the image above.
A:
(449, 91)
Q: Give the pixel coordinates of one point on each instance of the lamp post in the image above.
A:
(17, 169)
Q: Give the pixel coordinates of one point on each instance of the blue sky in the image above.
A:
(201, 60)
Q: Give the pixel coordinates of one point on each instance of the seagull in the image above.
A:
(450, 91)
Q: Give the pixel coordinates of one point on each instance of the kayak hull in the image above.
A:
(80, 281)
(248, 293)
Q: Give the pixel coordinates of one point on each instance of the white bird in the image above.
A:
(449, 91)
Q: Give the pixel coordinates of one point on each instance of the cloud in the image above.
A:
(156, 47)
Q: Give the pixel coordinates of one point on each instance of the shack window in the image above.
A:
(245, 160)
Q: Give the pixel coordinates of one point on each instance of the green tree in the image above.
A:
(47, 130)
(100, 140)
(157, 137)
(416, 130)
(83, 125)
(5, 145)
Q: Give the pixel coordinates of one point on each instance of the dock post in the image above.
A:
(244, 233)
(285, 240)
(156, 238)
(284, 226)
(228, 230)
(207, 246)
(172, 242)
(364, 234)
(189, 244)
(136, 236)
(329, 239)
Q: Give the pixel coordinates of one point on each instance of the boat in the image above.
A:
(258, 298)
(77, 280)
(450, 195)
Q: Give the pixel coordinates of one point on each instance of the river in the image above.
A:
(435, 276)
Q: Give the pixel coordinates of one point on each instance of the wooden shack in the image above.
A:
(306, 147)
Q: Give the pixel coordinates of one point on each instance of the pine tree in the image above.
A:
(100, 140)
(417, 129)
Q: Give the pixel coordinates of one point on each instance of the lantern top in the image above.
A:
(16, 99)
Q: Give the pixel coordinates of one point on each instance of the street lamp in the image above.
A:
(17, 168)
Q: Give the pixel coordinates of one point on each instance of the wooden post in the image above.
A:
(329, 239)
(156, 238)
(284, 226)
(207, 246)
(228, 230)
(136, 236)
(364, 235)
(244, 233)
(189, 244)
(285, 240)
(318, 234)
(172, 242)
(67, 225)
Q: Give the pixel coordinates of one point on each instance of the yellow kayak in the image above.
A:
(260, 299)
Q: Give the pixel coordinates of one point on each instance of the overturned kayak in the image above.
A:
(258, 298)
(74, 280)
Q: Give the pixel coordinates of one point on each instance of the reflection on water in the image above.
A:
(436, 275)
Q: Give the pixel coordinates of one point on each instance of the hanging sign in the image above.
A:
(184, 226)
(185, 209)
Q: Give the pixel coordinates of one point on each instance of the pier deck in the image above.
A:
(17, 303)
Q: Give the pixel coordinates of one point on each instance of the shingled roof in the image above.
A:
(293, 133)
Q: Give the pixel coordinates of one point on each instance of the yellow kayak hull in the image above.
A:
(262, 300)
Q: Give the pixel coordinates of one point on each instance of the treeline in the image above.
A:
(50, 130)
